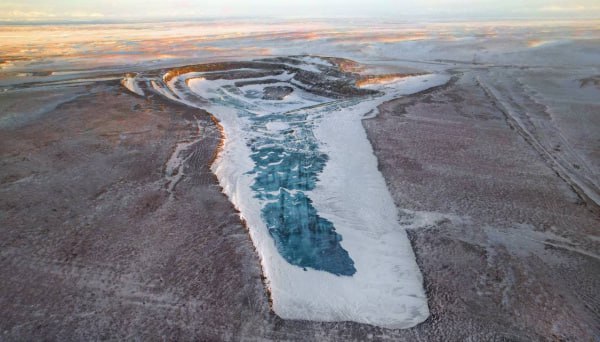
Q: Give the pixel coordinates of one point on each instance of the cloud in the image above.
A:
(27, 14)
(13, 15)
(571, 8)
(80, 14)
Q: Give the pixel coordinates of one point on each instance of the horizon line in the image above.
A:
(414, 18)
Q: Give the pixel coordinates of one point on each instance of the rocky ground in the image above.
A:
(97, 244)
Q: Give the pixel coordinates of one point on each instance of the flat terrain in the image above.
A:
(517, 256)
(98, 243)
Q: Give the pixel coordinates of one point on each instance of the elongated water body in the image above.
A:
(297, 164)
(288, 162)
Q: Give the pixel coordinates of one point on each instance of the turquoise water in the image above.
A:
(287, 164)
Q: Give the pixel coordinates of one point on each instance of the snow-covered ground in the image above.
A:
(386, 287)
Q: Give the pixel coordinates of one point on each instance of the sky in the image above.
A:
(59, 10)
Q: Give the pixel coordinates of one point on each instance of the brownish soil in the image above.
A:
(94, 247)
(519, 260)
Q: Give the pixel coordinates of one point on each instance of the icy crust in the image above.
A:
(286, 166)
(385, 288)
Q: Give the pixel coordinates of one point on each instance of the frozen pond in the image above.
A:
(297, 164)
